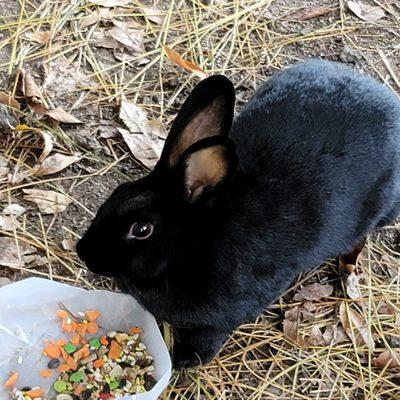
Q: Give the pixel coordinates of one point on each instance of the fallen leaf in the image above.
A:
(12, 254)
(157, 128)
(8, 223)
(41, 37)
(293, 314)
(314, 291)
(366, 12)
(352, 285)
(349, 261)
(14, 209)
(188, 65)
(9, 101)
(355, 327)
(68, 244)
(290, 330)
(153, 15)
(60, 115)
(48, 146)
(334, 335)
(305, 14)
(29, 87)
(133, 117)
(315, 337)
(144, 149)
(388, 359)
(55, 163)
(110, 3)
(48, 201)
(132, 39)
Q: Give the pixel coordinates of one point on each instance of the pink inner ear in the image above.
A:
(193, 188)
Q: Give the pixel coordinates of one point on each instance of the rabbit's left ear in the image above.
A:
(207, 112)
(208, 165)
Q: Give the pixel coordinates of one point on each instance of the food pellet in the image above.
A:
(54, 363)
(104, 367)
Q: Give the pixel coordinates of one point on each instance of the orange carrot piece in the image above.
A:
(104, 341)
(34, 393)
(62, 314)
(92, 328)
(11, 381)
(115, 350)
(135, 330)
(52, 351)
(64, 354)
(61, 342)
(68, 328)
(78, 389)
(46, 373)
(92, 315)
(83, 352)
(81, 329)
(75, 340)
(98, 363)
(63, 368)
(72, 363)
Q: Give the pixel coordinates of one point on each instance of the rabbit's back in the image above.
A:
(319, 150)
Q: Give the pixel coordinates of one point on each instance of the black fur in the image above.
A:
(319, 155)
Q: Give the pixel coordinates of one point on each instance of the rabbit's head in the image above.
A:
(167, 217)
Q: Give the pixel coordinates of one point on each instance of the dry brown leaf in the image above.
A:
(334, 335)
(293, 314)
(48, 201)
(14, 209)
(366, 12)
(349, 261)
(130, 38)
(145, 149)
(145, 146)
(388, 359)
(8, 223)
(153, 14)
(305, 14)
(41, 37)
(355, 327)
(157, 128)
(188, 65)
(68, 244)
(291, 330)
(12, 253)
(60, 115)
(9, 101)
(315, 291)
(29, 87)
(110, 3)
(315, 338)
(352, 285)
(48, 146)
(55, 163)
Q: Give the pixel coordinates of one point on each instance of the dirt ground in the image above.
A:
(76, 67)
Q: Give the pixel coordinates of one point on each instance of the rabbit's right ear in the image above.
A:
(208, 111)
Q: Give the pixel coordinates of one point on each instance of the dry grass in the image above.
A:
(246, 40)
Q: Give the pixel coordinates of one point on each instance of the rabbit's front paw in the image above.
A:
(186, 357)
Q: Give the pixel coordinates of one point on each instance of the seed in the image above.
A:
(64, 396)
(111, 334)
(116, 372)
(86, 394)
(54, 363)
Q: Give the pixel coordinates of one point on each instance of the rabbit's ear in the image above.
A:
(208, 164)
(208, 111)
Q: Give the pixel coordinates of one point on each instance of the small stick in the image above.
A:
(389, 68)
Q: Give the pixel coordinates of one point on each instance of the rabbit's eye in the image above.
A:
(140, 230)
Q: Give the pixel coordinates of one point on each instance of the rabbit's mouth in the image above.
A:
(93, 263)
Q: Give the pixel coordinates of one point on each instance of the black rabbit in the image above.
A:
(231, 214)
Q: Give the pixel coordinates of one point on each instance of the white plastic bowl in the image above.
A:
(28, 317)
